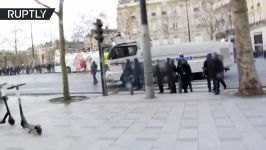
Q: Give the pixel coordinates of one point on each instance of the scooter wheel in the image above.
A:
(11, 121)
(38, 130)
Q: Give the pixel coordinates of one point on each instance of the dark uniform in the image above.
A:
(159, 75)
(218, 71)
(127, 73)
(185, 72)
(172, 76)
(168, 67)
(208, 70)
(94, 71)
(137, 74)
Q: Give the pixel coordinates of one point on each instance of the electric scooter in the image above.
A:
(24, 123)
(11, 120)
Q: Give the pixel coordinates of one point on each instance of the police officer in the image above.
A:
(208, 70)
(172, 76)
(218, 72)
(137, 74)
(159, 75)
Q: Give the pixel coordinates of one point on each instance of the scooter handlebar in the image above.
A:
(3, 84)
(14, 86)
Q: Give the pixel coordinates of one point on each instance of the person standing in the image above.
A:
(159, 75)
(93, 72)
(168, 71)
(189, 73)
(127, 73)
(218, 72)
(172, 75)
(137, 74)
(181, 62)
(207, 70)
(185, 73)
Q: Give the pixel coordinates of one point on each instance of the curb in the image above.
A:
(46, 94)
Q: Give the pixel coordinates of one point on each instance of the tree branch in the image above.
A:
(44, 5)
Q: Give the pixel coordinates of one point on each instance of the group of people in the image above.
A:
(26, 69)
(132, 74)
(169, 72)
(180, 73)
(213, 69)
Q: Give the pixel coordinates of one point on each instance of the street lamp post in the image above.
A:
(32, 46)
(148, 71)
(5, 60)
(188, 23)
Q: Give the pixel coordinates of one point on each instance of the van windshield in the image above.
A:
(122, 51)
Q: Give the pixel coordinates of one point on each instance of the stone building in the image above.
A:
(91, 43)
(169, 21)
(257, 21)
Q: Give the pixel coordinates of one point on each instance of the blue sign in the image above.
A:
(185, 57)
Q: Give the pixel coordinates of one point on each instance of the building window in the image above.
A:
(196, 9)
(163, 12)
(252, 7)
(174, 10)
(153, 14)
(175, 25)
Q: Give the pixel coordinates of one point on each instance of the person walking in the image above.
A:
(136, 74)
(84, 66)
(93, 72)
(208, 70)
(159, 75)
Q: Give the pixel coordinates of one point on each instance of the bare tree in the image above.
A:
(59, 13)
(249, 83)
(84, 27)
(208, 18)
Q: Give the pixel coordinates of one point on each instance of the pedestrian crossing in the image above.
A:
(197, 86)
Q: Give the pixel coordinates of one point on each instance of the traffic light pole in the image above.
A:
(103, 75)
(145, 38)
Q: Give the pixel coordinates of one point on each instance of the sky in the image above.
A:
(47, 30)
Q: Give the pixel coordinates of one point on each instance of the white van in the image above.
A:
(195, 53)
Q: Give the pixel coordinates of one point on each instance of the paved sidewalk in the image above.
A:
(193, 121)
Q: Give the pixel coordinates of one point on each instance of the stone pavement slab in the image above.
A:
(193, 121)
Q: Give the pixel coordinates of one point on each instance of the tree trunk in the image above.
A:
(62, 53)
(249, 83)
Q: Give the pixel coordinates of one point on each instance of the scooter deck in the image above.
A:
(31, 128)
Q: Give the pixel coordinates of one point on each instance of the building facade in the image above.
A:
(92, 44)
(170, 22)
(257, 21)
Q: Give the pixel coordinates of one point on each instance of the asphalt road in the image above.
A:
(83, 83)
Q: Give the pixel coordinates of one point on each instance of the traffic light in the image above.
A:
(99, 31)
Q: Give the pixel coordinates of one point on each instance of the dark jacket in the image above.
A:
(218, 67)
(127, 72)
(94, 68)
(159, 74)
(137, 71)
(208, 68)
